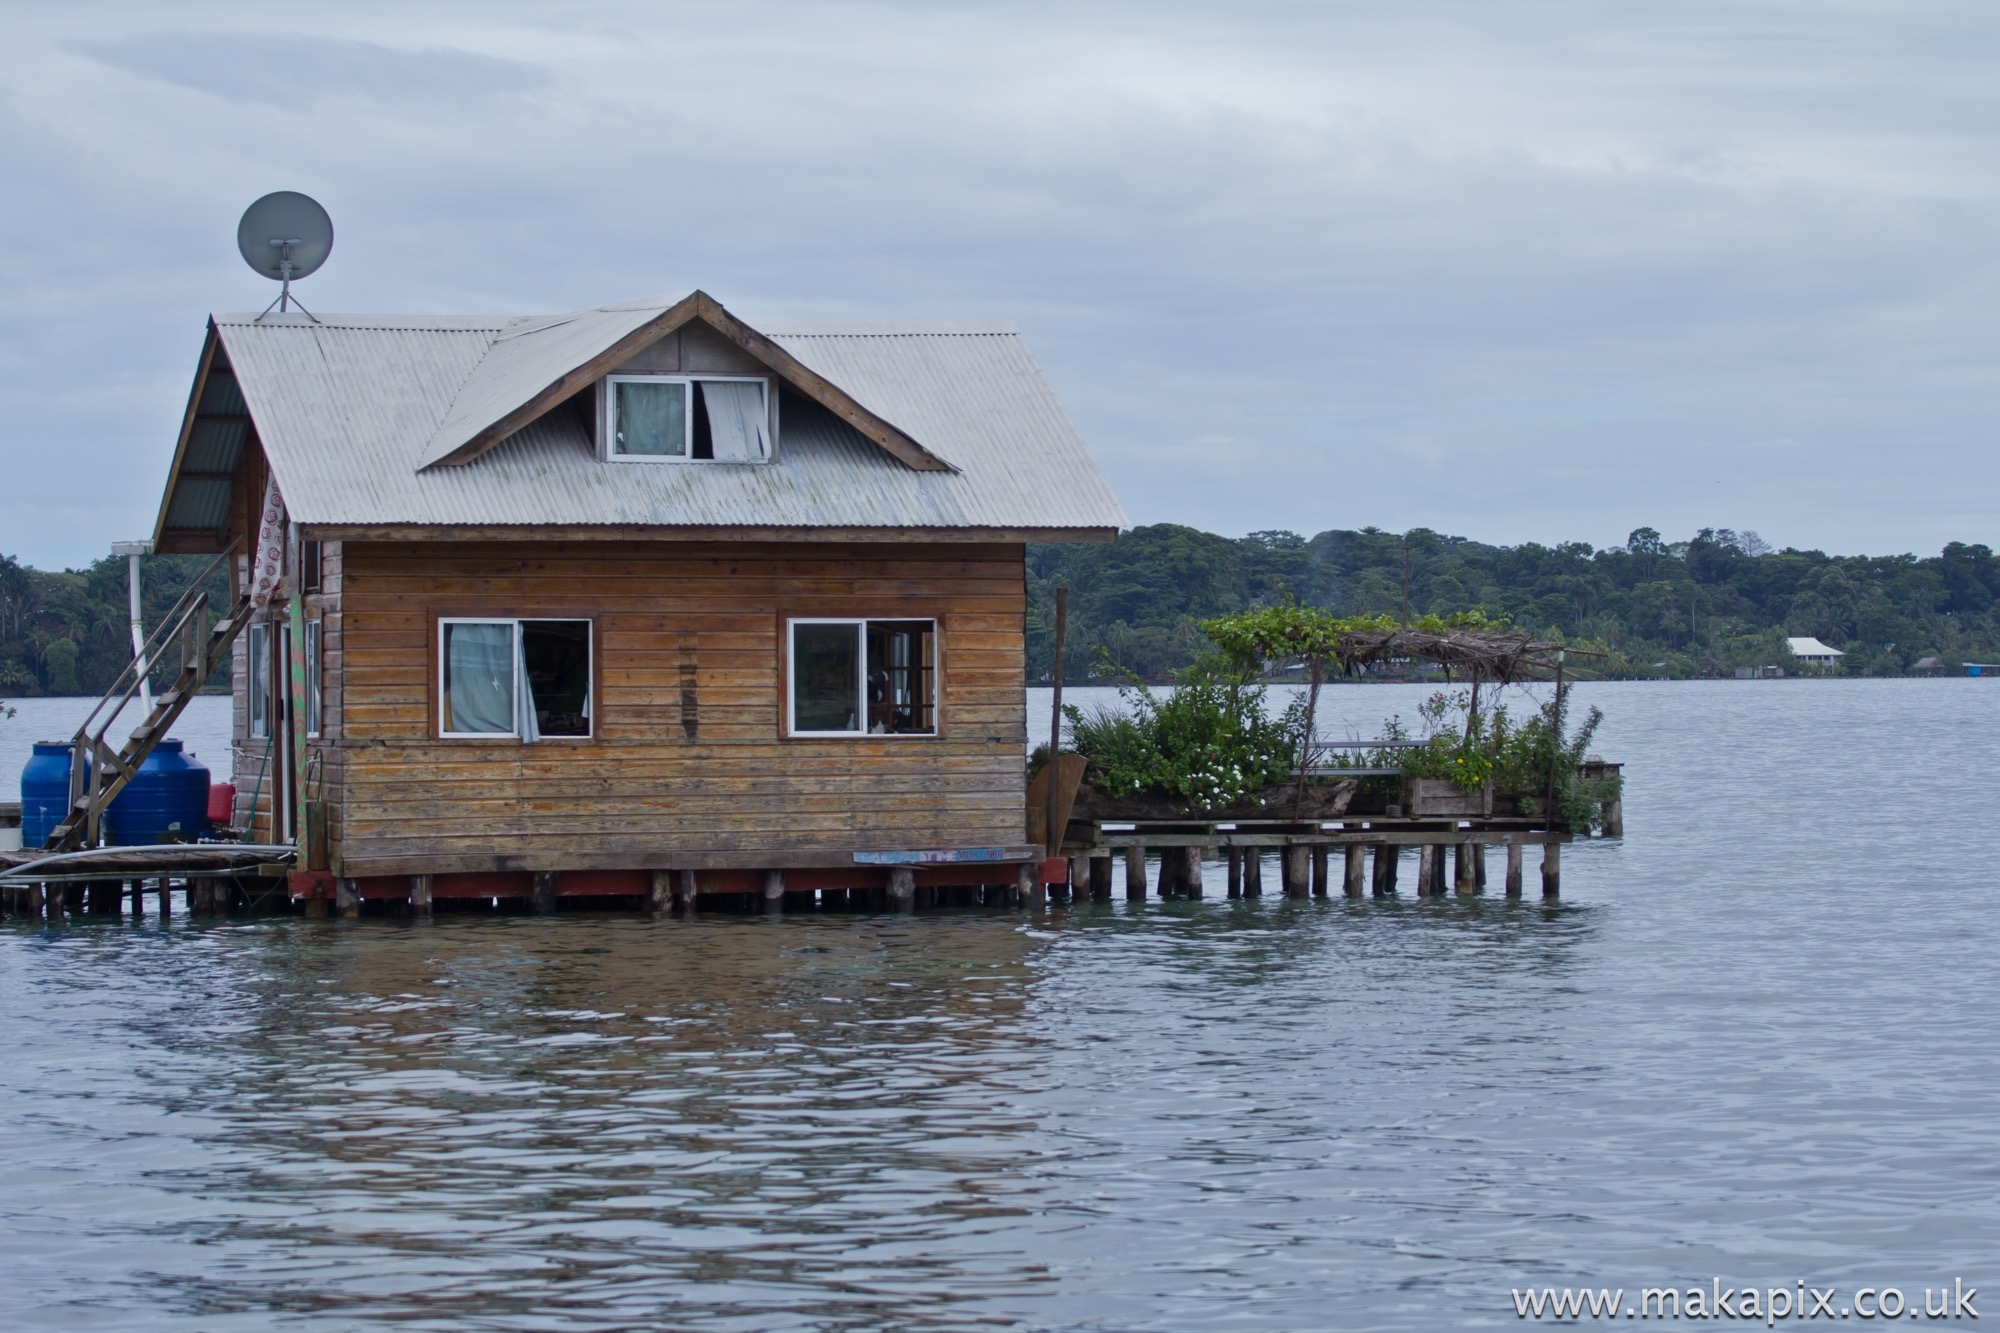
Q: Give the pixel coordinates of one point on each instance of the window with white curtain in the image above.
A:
(685, 418)
(524, 678)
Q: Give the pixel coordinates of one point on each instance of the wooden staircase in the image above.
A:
(104, 772)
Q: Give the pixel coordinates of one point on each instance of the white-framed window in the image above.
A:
(684, 418)
(854, 677)
(261, 665)
(525, 678)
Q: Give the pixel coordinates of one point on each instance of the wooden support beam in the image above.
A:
(138, 900)
(1357, 869)
(346, 897)
(686, 890)
(1551, 870)
(1191, 872)
(545, 892)
(166, 898)
(1319, 865)
(420, 895)
(1235, 871)
(663, 891)
(1513, 870)
(902, 889)
(1465, 856)
(1614, 819)
(1100, 878)
(1427, 856)
(1253, 872)
(1135, 874)
(774, 890)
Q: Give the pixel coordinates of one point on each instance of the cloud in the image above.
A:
(301, 73)
(1517, 269)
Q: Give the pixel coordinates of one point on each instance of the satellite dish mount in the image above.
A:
(283, 236)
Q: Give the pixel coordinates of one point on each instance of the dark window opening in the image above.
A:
(556, 656)
(704, 432)
(309, 567)
(901, 697)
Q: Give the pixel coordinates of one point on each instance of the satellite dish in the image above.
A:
(283, 236)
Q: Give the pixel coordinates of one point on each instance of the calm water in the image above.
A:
(1757, 1041)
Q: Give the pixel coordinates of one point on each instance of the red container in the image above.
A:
(221, 802)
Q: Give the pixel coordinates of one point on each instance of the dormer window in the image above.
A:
(684, 418)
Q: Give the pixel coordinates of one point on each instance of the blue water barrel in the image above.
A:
(44, 791)
(171, 789)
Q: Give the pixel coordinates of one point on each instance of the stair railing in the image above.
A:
(97, 772)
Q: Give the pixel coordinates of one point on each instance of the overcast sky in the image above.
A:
(1510, 269)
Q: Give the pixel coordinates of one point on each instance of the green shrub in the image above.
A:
(1209, 743)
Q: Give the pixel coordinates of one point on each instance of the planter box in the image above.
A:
(1323, 800)
(1435, 796)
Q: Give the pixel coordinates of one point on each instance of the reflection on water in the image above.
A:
(1755, 1041)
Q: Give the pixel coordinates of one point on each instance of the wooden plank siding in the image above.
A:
(689, 766)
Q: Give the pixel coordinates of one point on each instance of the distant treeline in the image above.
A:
(1705, 606)
(68, 631)
(1701, 607)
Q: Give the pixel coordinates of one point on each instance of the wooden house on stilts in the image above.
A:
(635, 600)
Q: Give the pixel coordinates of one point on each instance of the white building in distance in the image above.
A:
(1814, 652)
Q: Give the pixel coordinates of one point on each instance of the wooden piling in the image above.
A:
(902, 889)
(686, 890)
(1298, 870)
(420, 895)
(1253, 872)
(1465, 857)
(1386, 855)
(1235, 872)
(662, 899)
(1614, 819)
(1439, 875)
(1135, 874)
(1034, 894)
(166, 898)
(1513, 870)
(774, 890)
(1100, 878)
(346, 896)
(1427, 855)
(1551, 870)
(545, 892)
(1191, 872)
(1319, 870)
(1357, 869)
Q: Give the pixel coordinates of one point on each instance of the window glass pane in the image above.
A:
(902, 680)
(259, 663)
(738, 423)
(557, 658)
(826, 677)
(649, 418)
(479, 678)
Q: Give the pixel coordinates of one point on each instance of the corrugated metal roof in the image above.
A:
(350, 410)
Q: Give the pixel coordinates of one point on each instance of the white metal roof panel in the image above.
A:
(351, 408)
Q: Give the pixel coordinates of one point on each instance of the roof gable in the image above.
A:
(536, 365)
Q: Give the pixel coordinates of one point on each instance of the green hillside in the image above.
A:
(1701, 607)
